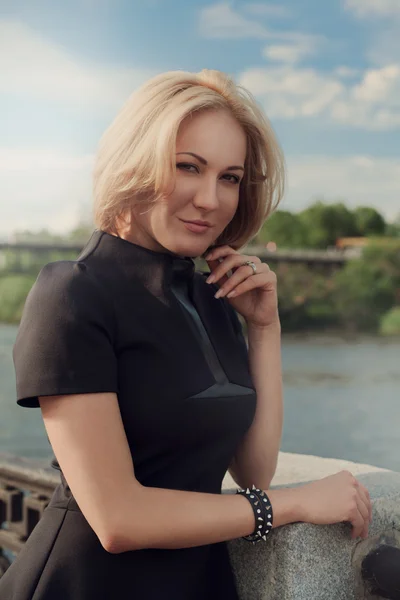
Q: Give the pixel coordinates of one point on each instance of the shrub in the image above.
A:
(390, 322)
(13, 292)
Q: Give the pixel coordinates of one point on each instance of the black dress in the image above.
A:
(146, 325)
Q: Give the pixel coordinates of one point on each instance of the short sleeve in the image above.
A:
(64, 343)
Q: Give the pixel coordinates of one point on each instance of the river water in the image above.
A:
(342, 400)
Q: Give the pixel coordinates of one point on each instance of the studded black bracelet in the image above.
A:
(262, 513)
(266, 503)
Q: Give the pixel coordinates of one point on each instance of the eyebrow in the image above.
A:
(204, 162)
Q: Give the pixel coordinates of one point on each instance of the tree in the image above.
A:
(284, 228)
(368, 287)
(43, 236)
(81, 233)
(369, 221)
(325, 223)
(393, 229)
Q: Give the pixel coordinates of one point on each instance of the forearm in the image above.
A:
(256, 457)
(171, 519)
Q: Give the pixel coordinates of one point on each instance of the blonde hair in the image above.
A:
(136, 154)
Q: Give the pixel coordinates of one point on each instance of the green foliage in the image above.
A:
(390, 322)
(354, 298)
(81, 233)
(13, 292)
(321, 224)
(43, 236)
(284, 228)
(393, 229)
(326, 223)
(368, 287)
(369, 221)
(305, 298)
(363, 296)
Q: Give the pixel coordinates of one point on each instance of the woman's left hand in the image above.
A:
(253, 295)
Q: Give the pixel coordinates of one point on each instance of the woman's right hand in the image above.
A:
(334, 499)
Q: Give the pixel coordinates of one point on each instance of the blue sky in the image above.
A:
(326, 73)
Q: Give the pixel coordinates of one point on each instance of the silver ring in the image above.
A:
(251, 264)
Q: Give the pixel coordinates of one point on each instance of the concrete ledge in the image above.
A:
(305, 562)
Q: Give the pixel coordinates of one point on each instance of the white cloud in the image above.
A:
(373, 8)
(358, 180)
(267, 10)
(285, 53)
(31, 65)
(293, 48)
(221, 21)
(372, 102)
(368, 100)
(43, 188)
(286, 92)
(379, 85)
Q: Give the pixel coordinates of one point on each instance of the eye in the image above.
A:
(187, 166)
(235, 179)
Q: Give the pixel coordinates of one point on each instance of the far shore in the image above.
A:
(331, 336)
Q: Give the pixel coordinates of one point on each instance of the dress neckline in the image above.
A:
(176, 265)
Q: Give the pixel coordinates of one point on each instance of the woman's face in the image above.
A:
(210, 156)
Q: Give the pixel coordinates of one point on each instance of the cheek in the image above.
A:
(229, 204)
(182, 191)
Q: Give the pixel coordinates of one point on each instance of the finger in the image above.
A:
(263, 280)
(220, 271)
(362, 504)
(213, 265)
(367, 505)
(230, 263)
(233, 262)
(223, 251)
(214, 258)
(368, 501)
(239, 276)
(363, 509)
(357, 522)
(220, 252)
(362, 490)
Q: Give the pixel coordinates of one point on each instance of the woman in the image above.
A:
(138, 363)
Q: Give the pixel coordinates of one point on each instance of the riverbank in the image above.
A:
(362, 296)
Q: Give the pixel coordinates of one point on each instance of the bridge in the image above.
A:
(29, 257)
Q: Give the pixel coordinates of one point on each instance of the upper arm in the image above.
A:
(66, 362)
(88, 439)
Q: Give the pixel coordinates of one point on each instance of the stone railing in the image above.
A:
(25, 490)
(309, 562)
(298, 561)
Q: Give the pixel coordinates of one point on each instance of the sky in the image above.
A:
(326, 73)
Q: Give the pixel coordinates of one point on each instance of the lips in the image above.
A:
(201, 223)
(195, 227)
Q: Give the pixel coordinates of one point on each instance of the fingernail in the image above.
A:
(210, 279)
(218, 294)
(232, 293)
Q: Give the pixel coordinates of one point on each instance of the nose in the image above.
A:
(206, 196)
